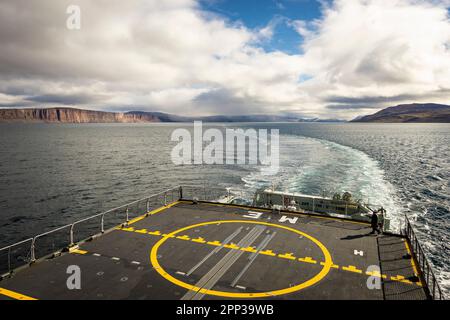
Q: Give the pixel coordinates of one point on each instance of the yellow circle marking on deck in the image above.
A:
(318, 277)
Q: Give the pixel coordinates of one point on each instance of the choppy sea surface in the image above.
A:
(51, 175)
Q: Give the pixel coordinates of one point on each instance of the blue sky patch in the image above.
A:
(256, 14)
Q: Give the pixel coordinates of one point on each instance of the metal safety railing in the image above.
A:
(427, 273)
(64, 237)
(208, 193)
(29, 250)
(222, 194)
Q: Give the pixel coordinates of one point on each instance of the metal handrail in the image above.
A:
(16, 244)
(427, 273)
(12, 246)
(228, 190)
(216, 194)
(74, 224)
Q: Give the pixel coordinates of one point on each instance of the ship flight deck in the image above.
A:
(194, 251)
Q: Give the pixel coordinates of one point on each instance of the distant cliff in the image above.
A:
(416, 112)
(72, 115)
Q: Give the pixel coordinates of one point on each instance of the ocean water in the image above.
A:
(51, 175)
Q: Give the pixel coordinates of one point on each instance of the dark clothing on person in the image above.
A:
(374, 220)
(374, 223)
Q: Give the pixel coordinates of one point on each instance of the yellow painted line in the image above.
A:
(231, 246)
(308, 260)
(413, 263)
(163, 208)
(78, 251)
(268, 253)
(401, 279)
(129, 229)
(198, 240)
(376, 274)
(334, 266)
(167, 235)
(15, 295)
(288, 256)
(137, 219)
(152, 212)
(143, 231)
(214, 243)
(406, 281)
(352, 269)
(315, 279)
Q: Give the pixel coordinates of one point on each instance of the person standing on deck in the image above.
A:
(374, 222)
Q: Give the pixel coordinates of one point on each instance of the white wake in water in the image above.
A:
(319, 167)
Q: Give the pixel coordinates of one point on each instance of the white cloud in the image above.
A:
(173, 56)
(380, 48)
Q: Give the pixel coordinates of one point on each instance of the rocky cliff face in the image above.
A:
(416, 112)
(70, 115)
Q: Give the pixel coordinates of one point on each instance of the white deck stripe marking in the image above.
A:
(180, 273)
(214, 274)
(115, 258)
(97, 254)
(241, 287)
(135, 262)
(253, 257)
(216, 250)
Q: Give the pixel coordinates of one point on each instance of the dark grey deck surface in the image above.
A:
(117, 265)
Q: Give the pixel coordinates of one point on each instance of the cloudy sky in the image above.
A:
(339, 58)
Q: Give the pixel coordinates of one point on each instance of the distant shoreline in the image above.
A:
(409, 113)
(74, 115)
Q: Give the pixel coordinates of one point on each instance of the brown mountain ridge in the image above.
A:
(415, 112)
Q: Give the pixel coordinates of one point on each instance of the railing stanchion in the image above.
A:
(423, 261)
(434, 288)
(165, 199)
(103, 223)
(9, 259)
(71, 235)
(33, 253)
(148, 206)
(409, 230)
(128, 216)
